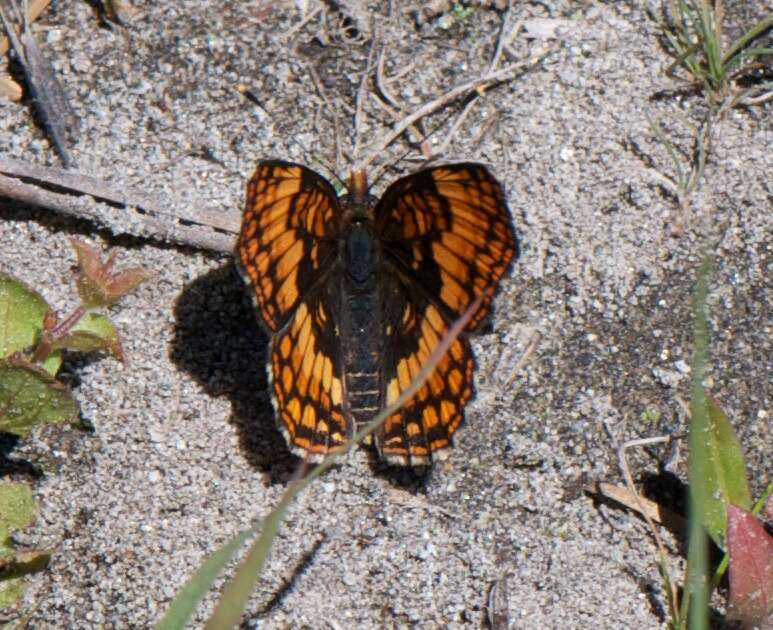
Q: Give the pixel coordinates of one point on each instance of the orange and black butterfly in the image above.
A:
(357, 292)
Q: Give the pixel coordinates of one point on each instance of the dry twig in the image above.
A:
(639, 501)
(47, 94)
(481, 83)
(34, 9)
(89, 198)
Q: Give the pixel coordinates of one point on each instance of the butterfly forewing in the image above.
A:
(448, 229)
(287, 240)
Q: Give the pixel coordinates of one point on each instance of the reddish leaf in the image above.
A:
(125, 281)
(751, 569)
(98, 285)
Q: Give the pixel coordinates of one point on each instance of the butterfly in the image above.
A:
(356, 292)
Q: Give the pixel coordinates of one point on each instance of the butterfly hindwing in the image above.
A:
(307, 383)
(287, 240)
(424, 425)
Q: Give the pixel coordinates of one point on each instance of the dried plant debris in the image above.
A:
(47, 94)
(428, 11)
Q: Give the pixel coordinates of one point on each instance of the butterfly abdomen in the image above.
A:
(360, 322)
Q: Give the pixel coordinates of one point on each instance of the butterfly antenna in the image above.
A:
(343, 185)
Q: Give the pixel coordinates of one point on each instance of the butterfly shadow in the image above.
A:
(219, 343)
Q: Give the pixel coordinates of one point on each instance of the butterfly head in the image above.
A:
(358, 204)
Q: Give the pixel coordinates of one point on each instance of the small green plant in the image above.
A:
(650, 416)
(720, 503)
(720, 509)
(17, 510)
(462, 12)
(32, 341)
(693, 36)
(33, 338)
(685, 181)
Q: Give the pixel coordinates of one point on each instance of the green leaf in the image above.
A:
(30, 396)
(725, 474)
(22, 312)
(53, 362)
(17, 510)
(92, 332)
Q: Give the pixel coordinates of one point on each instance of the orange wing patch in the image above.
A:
(424, 426)
(287, 237)
(305, 373)
(449, 229)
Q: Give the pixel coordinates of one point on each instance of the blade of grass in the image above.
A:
(697, 552)
(711, 36)
(750, 35)
(760, 503)
(188, 597)
(236, 594)
(681, 180)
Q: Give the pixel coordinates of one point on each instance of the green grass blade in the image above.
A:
(742, 42)
(697, 552)
(190, 595)
(681, 180)
(712, 47)
(760, 503)
(748, 55)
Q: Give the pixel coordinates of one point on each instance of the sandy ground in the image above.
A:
(184, 451)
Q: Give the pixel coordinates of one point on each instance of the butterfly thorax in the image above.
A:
(361, 317)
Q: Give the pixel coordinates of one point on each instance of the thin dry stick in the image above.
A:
(636, 502)
(377, 147)
(34, 10)
(381, 84)
(336, 131)
(362, 92)
(47, 94)
(397, 116)
(209, 229)
(449, 137)
(312, 14)
(534, 340)
(506, 33)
